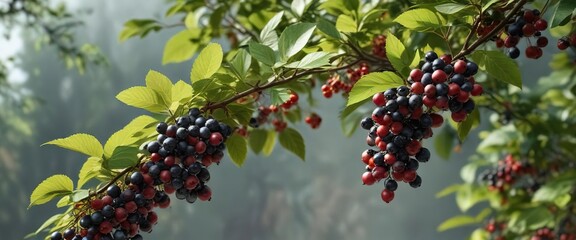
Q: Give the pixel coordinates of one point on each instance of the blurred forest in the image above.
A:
(269, 198)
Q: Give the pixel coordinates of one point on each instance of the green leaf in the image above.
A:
(279, 95)
(346, 24)
(450, 8)
(448, 190)
(469, 195)
(456, 221)
(237, 149)
(468, 172)
(180, 47)
(79, 195)
(142, 97)
(241, 63)
(553, 190)
(530, 219)
(350, 122)
(291, 140)
(480, 234)
(328, 28)
(90, 169)
(268, 35)
(122, 157)
(80, 142)
(420, 19)
(257, 140)
(312, 60)
(262, 53)
(500, 137)
(443, 142)
(128, 135)
(294, 38)
(160, 84)
(371, 84)
(50, 221)
(298, 7)
(138, 27)
(397, 54)
(54, 186)
(181, 92)
(270, 142)
(564, 10)
(207, 63)
(191, 21)
(499, 66)
(471, 121)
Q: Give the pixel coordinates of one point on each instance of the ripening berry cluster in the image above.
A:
(543, 234)
(178, 163)
(404, 116)
(509, 170)
(527, 24)
(379, 46)
(336, 83)
(313, 120)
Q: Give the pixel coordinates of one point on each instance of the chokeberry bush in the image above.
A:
(426, 68)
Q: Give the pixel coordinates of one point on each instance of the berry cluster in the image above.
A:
(496, 229)
(404, 116)
(337, 83)
(178, 163)
(379, 46)
(263, 115)
(506, 174)
(543, 234)
(313, 120)
(527, 24)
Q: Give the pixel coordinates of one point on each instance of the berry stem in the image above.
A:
(467, 50)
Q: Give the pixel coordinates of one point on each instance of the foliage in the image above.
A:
(280, 50)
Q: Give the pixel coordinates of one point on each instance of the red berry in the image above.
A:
(165, 203)
(542, 42)
(511, 41)
(366, 157)
(459, 116)
(417, 88)
(379, 173)
(191, 182)
(441, 102)
(429, 101)
(107, 200)
(460, 66)
(382, 130)
(379, 99)
(463, 96)
(155, 157)
(532, 52)
(409, 176)
(447, 58)
(573, 39)
(131, 206)
(416, 75)
(368, 178)
(200, 147)
(563, 43)
(477, 90)
(389, 159)
(105, 227)
(205, 194)
(453, 89)
(327, 94)
(293, 98)
(528, 30)
(387, 195)
(430, 90)
(439, 76)
(529, 16)
(170, 161)
(120, 214)
(540, 24)
(396, 127)
(97, 204)
(437, 120)
(165, 176)
(215, 139)
(499, 43)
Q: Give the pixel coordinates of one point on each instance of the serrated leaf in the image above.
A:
(371, 84)
(50, 221)
(450, 8)
(420, 19)
(54, 186)
(241, 63)
(268, 35)
(262, 53)
(328, 28)
(142, 97)
(90, 169)
(180, 47)
(564, 9)
(294, 38)
(312, 60)
(80, 142)
(346, 24)
(397, 54)
(279, 95)
(499, 66)
(207, 62)
(237, 149)
(181, 92)
(292, 141)
(122, 157)
(456, 221)
(443, 142)
(465, 126)
(160, 84)
(127, 135)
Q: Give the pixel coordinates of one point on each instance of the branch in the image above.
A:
(467, 50)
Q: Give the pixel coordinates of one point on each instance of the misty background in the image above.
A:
(276, 197)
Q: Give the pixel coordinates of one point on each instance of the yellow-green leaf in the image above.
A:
(237, 149)
(181, 92)
(80, 142)
(90, 169)
(142, 97)
(371, 84)
(160, 84)
(292, 141)
(181, 46)
(207, 63)
(54, 186)
(420, 19)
